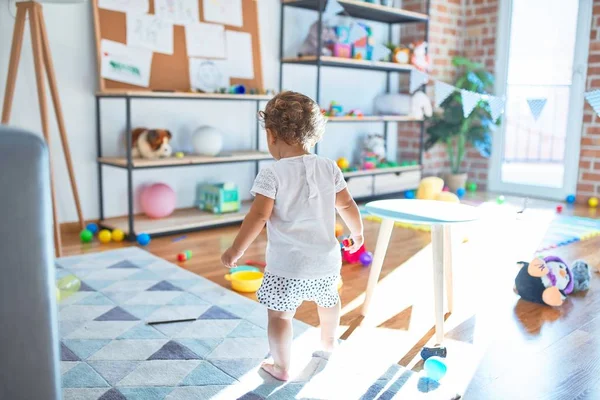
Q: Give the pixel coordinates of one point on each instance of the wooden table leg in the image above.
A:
(385, 232)
(448, 267)
(437, 244)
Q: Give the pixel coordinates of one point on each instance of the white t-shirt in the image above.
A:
(301, 231)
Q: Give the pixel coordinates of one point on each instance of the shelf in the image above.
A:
(185, 219)
(329, 61)
(363, 10)
(375, 118)
(144, 163)
(181, 95)
(381, 171)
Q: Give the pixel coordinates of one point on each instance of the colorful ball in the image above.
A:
(366, 258)
(460, 192)
(143, 239)
(92, 227)
(571, 199)
(472, 187)
(593, 202)
(118, 235)
(343, 163)
(104, 236)
(86, 236)
(409, 194)
(158, 200)
(500, 199)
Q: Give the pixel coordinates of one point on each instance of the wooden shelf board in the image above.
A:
(239, 156)
(375, 118)
(350, 63)
(181, 220)
(181, 95)
(364, 10)
(381, 171)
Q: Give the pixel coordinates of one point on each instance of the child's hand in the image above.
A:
(357, 242)
(230, 257)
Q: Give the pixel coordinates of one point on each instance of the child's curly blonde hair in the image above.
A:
(294, 118)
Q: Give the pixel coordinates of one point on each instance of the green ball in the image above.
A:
(86, 236)
(500, 199)
(472, 187)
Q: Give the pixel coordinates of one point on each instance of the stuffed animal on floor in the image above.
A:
(582, 276)
(151, 143)
(545, 280)
(418, 105)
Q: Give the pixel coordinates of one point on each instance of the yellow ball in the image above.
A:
(593, 202)
(104, 236)
(118, 235)
(179, 154)
(343, 163)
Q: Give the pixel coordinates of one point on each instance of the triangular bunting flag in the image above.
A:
(496, 106)
(536, 106)
(442, 91)
(593, 98)
(332, 9)
(380, 52)
(357, 32)
(469, 101)
(417, 79)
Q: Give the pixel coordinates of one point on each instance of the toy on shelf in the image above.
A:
(334, 110)
(570, 199)
(158, 200)
(207, 141)
(86, 236)
(400, 54)
(104, 236)
(219, 198)
(237, 89)
(151, 143)
(179, 154)
(593, 202)
(417, 105)
(343, 163)
(355, 113)
(184, 256)
(117, 235)
(310, 45)
(545, 280)
(143, 239)
(92, 227)
(373, 148)
(419, 57)
(362, 48)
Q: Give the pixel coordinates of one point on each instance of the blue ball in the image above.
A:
(409, 194)
(143, 239)
(92, 227)
(571, 199)
(460, 192)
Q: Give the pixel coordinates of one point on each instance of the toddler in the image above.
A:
(297, 197)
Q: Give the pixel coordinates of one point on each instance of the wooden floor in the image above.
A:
(499, 347)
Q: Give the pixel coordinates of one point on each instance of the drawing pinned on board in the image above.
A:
(125, 64)
(442, 91)
(126, 6)
(496, 106)
(332, 9)
(226, 12)
(536, 106)
(593, 98)
(150, 32)
(469, 101)
(208, 75)
(417, 79)
(205, 40)
(179, 12)
(240, 60)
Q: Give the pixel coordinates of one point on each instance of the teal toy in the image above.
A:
(240, 268)
(219, 198)
(435, 368)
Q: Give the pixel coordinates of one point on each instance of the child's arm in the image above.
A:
(259, 213)
(348, 210)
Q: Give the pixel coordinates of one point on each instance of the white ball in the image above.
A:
(207, 141)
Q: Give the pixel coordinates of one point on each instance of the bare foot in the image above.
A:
(275, 371)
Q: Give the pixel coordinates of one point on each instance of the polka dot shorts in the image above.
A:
(286, 294)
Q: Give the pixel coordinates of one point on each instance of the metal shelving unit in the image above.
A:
(368, 11)
(182, 220)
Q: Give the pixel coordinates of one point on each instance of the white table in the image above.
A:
(440, 216)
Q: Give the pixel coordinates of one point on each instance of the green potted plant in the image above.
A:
(449, 126)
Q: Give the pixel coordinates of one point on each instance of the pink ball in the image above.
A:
(158, 200)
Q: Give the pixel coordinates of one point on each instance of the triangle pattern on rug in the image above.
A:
(164, 286)
(86, 288)
(114, 371)
(67, 354)
(174, 351)
(216, 312)
(112, 394)
(124, 264)
(116, 314)
(84, 348)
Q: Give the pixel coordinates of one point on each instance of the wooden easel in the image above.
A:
(42, 61)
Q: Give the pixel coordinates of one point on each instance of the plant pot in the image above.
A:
(455, 181)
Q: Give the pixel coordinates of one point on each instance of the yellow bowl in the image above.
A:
(245, 281)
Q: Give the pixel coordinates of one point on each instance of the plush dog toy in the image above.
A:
(151, 143)
(545, 280)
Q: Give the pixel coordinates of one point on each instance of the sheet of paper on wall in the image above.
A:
(208, 75)
(150, 32)
(125, 64)
(126, 6)
(239, 54)
(205, 40)
(179, 12)
(226, 12)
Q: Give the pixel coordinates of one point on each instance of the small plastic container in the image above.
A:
(435, 368)
(245, 281)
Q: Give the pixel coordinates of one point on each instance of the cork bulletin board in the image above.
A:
(170, 72)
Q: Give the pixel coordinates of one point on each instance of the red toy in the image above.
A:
(559, 208)
(186, 255)
(353, 258)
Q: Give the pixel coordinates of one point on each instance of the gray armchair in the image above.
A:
(29, 357)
